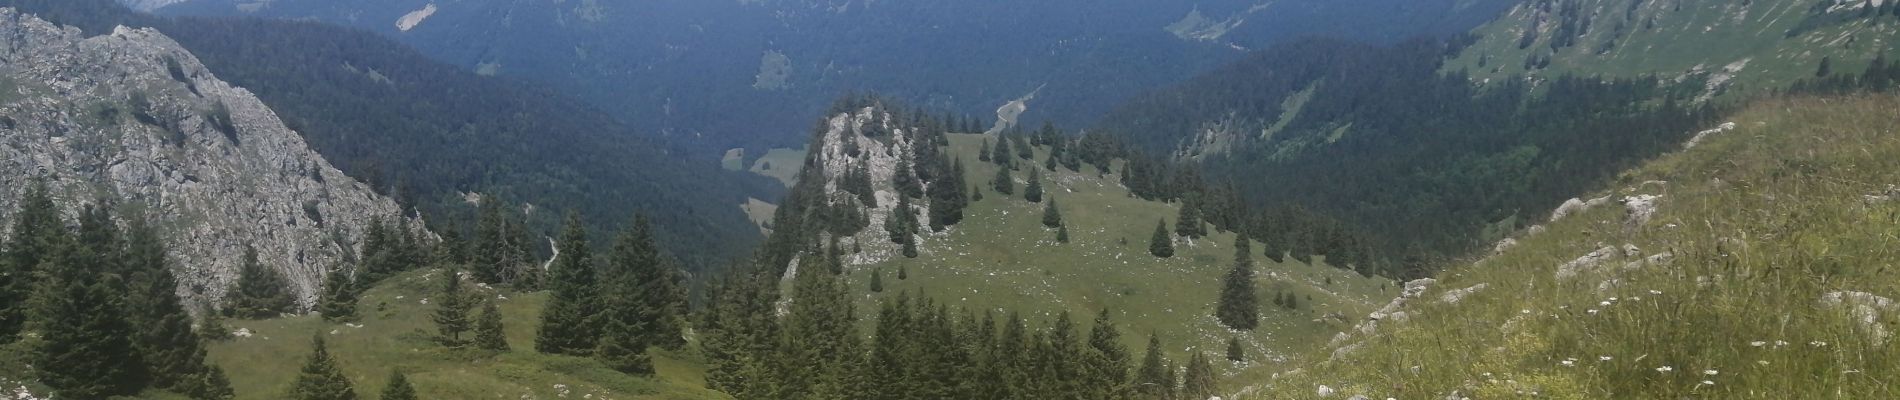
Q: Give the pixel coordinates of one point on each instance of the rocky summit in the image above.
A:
(133, 118)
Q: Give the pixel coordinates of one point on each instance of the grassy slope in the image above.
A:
(1771, 216)
(1000, 256)
(1707, 33)
(263, 366)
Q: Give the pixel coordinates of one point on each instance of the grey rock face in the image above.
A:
(131, 115)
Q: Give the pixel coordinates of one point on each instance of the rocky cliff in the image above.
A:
(133, 117)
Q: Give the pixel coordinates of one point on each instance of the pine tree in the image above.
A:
(877, 280)
(1152, 381)
(1235, 352)
(88, 349)
(1002, 183)
(1239, 306)
(1198, 382)
(1161, 245)
(567, 325)
(451, 311)
(488, 329)
(338, 302)
(260, 292)
(321, 379)
(398, 388)
(1033, 192)
(37, 233)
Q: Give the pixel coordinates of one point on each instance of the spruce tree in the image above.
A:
(1161, 245)
(338, 302)
(488, 330)
(567, 325)
(1107, 360)
(630, 313)
(260, 292)
(1189, 224)
(877, 280)
(1051, 217)
(1152, 380)
(820, 337)
(1002, 183)
(1235, 352)
(903, 272)
(910, 247)
(1062, 234)
(37, 233)
(174, 355)
(1172, 381)
(1033, 192)
(451, 311)
(321, 379)
(398, 388)
(976, 194)
(983, 152)
(904, 181)
(902, 223)
(1239, 306)
(88, 349)
(1198, 382)
(212, 327)
(1001, 154)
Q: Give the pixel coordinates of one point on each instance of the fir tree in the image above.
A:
(37, 233)
(1239, 305)
(212, 327)
(451, 310)
(1033, 192)
(1152, 380)
(877, 280)
(1161, 245)
(1051, 216)
(1062, 234)
(321, 379)
(983, 152)
(1001, 154)
(902, 223)
(1235, 352)
(1002, 183)
(1826, 68)
(1023, 149)
(260, 292)
(398, 388)
(820, 336)
(903, 272)
(910, 247)
(338, 302)
(1050, 163)
(488, 330)
(1198, 382)
(566, 321)
(976, 193)
(87, 350)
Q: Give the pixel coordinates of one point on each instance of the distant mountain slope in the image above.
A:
(132, 115)
(429, 133)
(1754, 265)
(1428, 163)
(1750, 46)
(1002, 257)
(751, 73)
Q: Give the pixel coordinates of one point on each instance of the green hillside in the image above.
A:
(1764, 272)
(395, 333)
(1744, 46)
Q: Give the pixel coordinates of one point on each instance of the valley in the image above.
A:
(895, 200)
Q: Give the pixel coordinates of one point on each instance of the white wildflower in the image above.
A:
(1711, 372)
(1708, 383)
(1757, 343)
(1569, 363)
(1817, 343)
(1655, 292)
(1592, 311)
(1665, 369)
(1605, 304)
(1605, 358)
(1762, 362)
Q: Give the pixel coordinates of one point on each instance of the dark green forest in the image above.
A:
(426, 132)
(1420, 161)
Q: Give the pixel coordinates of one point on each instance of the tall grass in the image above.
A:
(1761, 222)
